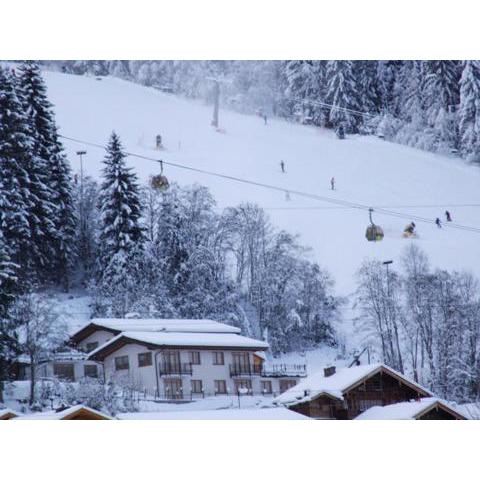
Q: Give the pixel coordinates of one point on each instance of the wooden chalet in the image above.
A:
(348, 392)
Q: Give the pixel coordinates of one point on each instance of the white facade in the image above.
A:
(169, 359)
(206, 372)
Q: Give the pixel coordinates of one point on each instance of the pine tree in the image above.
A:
(469, 112)
(8, 291)
(8, 277)
(342, 93)
(387, 73)
(51, 177)
(366, 78)
(16, 198)
(120, 208)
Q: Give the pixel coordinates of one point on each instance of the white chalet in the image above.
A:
(178, 359)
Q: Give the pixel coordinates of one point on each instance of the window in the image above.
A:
(90, 371)
(197, 386)
(286, 384)
(64, 371)
(144, 359)
(218, 358)
(266, 386)
(91, 346)
(194, 358)
(220, 386)
(121, 363)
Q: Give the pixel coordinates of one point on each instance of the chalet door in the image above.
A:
(171, 361)
(173, 388)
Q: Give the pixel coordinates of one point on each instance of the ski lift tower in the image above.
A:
(216, 96)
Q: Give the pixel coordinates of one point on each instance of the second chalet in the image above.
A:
(345, 393)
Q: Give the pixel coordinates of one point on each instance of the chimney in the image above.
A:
(329, 371)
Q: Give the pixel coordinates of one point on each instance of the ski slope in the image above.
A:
(367, 171)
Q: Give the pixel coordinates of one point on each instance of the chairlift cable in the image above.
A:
(335, 201)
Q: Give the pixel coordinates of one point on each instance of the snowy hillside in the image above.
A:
(367, 171)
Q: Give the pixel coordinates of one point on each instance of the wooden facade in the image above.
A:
(381, 388)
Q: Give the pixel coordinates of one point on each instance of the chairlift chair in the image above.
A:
(160, 182)
(374, 232)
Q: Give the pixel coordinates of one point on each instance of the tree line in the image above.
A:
(425, 322)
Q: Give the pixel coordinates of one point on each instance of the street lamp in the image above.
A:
(81, 153)
(387, 263)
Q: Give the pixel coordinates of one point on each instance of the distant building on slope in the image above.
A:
(346, 393)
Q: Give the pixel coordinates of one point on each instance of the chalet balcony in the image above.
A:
(275, 370)
(285, 370)
(174, 369)
(241, 370)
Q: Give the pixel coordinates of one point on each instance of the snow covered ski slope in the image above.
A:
(367, 170)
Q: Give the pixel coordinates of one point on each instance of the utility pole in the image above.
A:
(216, 102)
(81, 153)
(216, 96)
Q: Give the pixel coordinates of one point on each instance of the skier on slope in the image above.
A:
(448, 216)
(265, 118)
(332, 183)
(438, 223)
(409, 230)
(282, 166)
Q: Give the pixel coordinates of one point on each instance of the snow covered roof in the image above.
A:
(66, 414)
(335, 385)
(407, 410)
(178, 339)
(278, 413)
(469, 410)
(117, 325)
(7, 414)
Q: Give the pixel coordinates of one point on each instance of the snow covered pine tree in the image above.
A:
(51, 179)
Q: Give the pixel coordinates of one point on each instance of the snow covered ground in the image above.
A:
(367, 170)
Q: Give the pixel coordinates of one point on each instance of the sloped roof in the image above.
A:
(7, 414)
(335, 385)
(178, 339)
(408, 410)
(117, 325)
(469, 410)
(65, 414)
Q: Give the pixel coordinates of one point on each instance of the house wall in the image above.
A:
(46, 370)
(206, 371)
(100, 336)
(381, 389)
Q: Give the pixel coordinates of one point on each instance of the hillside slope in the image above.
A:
(367, 170)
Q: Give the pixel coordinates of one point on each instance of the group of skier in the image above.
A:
(410, 231)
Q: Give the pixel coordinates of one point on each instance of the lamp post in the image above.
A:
(81, 153)
(387, 263)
